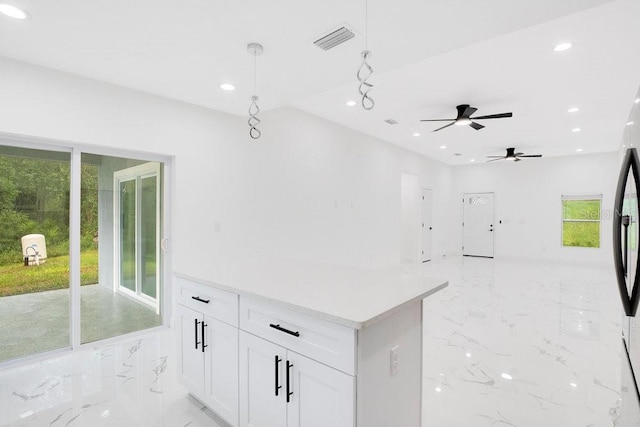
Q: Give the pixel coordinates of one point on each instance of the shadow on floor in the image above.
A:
(38, 322)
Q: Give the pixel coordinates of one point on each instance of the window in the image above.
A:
(581, 221)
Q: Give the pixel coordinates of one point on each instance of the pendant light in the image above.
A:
(254, 49)
(365, 71)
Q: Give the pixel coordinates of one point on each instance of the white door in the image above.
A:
(320, 396)
(427, 224)
(221, 369)
(190, 355)
(137, 225)
(478, 224)
(262, 388)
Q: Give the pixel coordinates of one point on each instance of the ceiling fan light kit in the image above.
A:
(512, 155)
(464, 118)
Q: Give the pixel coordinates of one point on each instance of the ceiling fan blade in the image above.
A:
(494, 116)
(467, 111)
(476, 126)
(517, 159)
(531, 155)
(445, 126)
(519, 154)
(438, 120)
(493, 160)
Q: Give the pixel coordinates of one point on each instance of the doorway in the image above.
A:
(478, 225)
(427, 224)
(137, 232)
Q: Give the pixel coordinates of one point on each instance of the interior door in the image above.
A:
(427, 224)
(137, 232)
(478, 225)
(261, 372)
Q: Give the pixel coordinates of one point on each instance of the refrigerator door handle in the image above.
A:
(631, 163)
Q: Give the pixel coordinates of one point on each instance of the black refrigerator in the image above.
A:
(626, 245)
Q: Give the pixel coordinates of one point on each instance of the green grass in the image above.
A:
(17, 279)
(581, 209)
(581, 234)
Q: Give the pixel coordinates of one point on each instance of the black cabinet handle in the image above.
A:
(626, 221)
(204, 325)
(196, 321)
(289, 393)
(286, 331)
(206, 301)
(278, 386)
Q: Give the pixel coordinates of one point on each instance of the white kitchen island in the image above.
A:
(293, 344)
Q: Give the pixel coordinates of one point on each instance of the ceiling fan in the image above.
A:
(511, 154)
(464, 118)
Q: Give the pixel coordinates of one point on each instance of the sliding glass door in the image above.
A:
(127, 296)
(137, 213)
(34, 251)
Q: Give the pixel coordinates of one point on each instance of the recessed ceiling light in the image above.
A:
(506, 376)
(442, 147)
(472, 160)
(438, 389)
(637, 100)
(575, 130)
(416, 134)
(562, 47)
(13, 12)
(629, 123)
(468, 354)
(573, 385)
(227, 86)
(578, 149)
(351, 103)
(573, 110)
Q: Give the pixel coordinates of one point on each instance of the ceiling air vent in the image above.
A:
(391, 122)
(334, 38)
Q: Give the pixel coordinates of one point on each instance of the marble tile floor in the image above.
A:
(514, 343)
(130, 384)
(508, 343)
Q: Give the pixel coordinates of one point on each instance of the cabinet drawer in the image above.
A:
(318, 339)
(221, 305)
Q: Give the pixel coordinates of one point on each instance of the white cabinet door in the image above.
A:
(221, 369)
(262, 391)
(321, 396)
(190, 354)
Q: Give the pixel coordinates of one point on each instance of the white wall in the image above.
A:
(528, 203)
(308, 188)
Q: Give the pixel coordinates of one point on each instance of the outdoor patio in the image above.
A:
(38, 322)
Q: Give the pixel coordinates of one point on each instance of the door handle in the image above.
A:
(430, 228)
(277, 363)
(289, 392)
(196, 321)
(204, 325)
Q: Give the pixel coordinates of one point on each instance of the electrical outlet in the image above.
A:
(394, 355)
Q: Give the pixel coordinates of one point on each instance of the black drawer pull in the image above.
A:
(286, 331)
(206, 301)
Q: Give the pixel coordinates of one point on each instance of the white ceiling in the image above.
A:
(428, 56)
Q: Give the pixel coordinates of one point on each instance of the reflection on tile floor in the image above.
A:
(126, 385)
(506, 344)
(521, 344)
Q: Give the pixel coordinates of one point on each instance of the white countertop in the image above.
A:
(348, 296)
